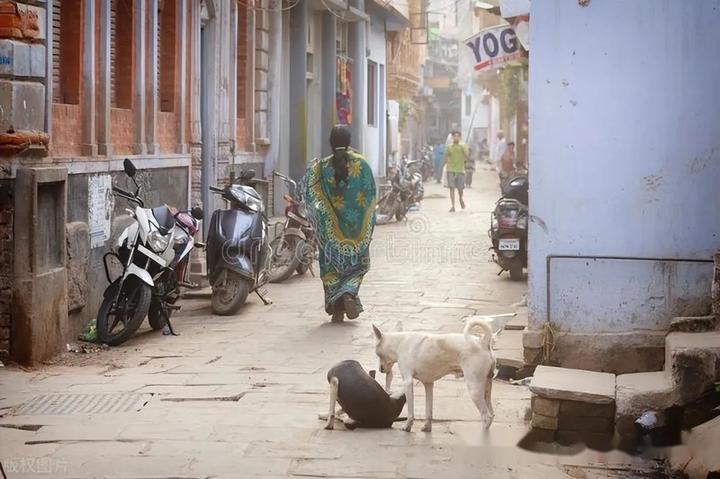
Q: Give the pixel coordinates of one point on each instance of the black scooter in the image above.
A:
(238, 251)
(509, 227)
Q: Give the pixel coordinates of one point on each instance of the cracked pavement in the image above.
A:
(240, 396)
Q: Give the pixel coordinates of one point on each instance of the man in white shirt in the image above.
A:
(500, 146)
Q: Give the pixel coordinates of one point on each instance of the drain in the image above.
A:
(61, 404)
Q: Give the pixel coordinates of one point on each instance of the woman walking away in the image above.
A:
(341, 201)
(469, 168)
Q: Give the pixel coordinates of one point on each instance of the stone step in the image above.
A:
(689, 343)
(573, 385)
(639, 392)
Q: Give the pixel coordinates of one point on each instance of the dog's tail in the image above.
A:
(484, 325)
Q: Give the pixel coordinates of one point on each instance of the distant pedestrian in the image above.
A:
(469, 167)
(500, 146)
(438, 156)
(507, 163)
(455, 157)
(484, 151)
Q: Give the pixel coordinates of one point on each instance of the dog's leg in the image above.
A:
(477, 387)
(333, 399)
(488, 401)
(428, 407)
(410, 403)
(388, 381)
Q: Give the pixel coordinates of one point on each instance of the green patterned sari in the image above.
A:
(344, 218)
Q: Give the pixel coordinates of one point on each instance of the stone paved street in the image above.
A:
(239, 397)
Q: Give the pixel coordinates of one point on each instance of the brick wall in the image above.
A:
(167, 131)
(67, 130)
(6, 262)
(123, 131)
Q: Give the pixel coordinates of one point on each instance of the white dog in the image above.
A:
(428, 357)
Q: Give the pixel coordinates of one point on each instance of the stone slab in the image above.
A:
(639, 392)
(26, 102)
(573, 385)
(577, 408)
(544, 422)
(545, 406)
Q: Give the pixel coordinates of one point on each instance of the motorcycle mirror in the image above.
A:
(130, 169)
(197, 213)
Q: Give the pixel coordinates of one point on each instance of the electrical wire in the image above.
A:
(269, 9)
(329, 9)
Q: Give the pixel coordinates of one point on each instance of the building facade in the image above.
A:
(85, 84)
(625, 168)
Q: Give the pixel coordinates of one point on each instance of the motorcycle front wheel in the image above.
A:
(228, 300)
(157, 316)
(129, 311)
(286, 258)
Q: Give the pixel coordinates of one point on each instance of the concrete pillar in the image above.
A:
(40, 309)
(329, 78)
(140, 15)
(104, 136)
(195, 133)
(182, 29)
(89, 146)
(358, 52)
(275, 94)
(153, 147)
(298, 90)
(49, 87)
(234, 65)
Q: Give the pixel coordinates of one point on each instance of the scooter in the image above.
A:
(508, 228)
(295, 248)
(238, 252)
(154, 252)
(406, 189)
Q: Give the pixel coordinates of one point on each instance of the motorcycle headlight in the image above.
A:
(255, 204)
(158, 242)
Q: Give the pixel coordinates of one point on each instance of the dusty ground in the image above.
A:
(239, 397)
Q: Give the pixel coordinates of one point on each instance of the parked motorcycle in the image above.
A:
(238, 253)
(427, 163)
(406, 189)
(154, 252)
(295, 248)
(508, 228)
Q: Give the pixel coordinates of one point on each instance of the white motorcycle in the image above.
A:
(154, 253)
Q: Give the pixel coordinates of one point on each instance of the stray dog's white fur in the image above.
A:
(428, 357)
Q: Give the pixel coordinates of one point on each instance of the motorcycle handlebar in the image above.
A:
(216, 189)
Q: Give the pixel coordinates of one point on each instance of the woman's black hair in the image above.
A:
(340, 143)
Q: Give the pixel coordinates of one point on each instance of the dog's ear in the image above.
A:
(378, 333)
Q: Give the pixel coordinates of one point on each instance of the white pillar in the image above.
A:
(89, 146)
(153, 147)
(104, 138)
(140, 60)
(182, 84)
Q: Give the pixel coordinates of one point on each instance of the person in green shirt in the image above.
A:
(456, 154)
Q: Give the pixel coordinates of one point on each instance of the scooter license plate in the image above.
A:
(509, 244)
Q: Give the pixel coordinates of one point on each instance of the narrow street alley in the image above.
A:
(239, 397)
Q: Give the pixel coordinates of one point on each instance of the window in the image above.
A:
(122, 27)
(372, 93)
(310, 47)
(67, 50)
(168, 43)
(242, 56)
(468, 105)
